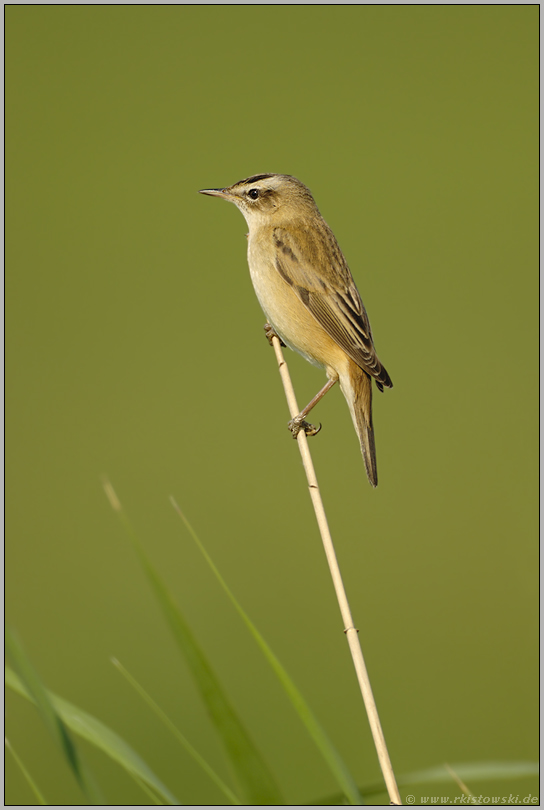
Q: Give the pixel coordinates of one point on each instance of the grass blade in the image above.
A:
(32, 784)
(89, 728)
(316, 731)
(233, 799)
(255, 781)
(154, 799)
(51, 717)
(469, 771)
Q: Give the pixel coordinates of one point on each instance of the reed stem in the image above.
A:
(349, 629)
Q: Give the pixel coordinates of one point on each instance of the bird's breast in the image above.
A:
(286, 312)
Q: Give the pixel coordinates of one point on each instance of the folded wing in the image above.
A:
(329, 292)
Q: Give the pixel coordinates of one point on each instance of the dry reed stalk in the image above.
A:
(349, 629)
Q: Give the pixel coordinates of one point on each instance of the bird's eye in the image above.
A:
(253, 193)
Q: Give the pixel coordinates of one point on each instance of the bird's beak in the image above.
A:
(214, 192)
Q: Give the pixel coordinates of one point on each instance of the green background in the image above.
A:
(135, 349)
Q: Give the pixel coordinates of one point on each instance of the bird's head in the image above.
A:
(264, 198)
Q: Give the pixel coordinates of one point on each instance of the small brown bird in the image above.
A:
(308, 294)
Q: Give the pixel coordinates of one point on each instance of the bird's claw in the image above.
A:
(296, 425)
(270, 333)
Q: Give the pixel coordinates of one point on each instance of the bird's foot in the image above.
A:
(297, 424)
(270, 333)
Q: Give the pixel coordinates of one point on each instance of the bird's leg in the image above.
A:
(299, 423)
(270, 333)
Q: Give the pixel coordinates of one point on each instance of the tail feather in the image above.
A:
(357, 390)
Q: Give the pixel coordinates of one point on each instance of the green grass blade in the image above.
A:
(32, 784)
(255, 782)
(233, 799)
(89, 728)
(154, 799)
(316, 731)
(468, 771)
(52, 719)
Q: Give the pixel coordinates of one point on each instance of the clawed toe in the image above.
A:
(296, 425)
(270, 333)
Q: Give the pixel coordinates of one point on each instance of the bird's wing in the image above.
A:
(328, 290)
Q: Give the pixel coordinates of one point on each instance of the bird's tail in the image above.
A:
(357, 389)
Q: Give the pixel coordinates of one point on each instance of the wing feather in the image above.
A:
(329, 292)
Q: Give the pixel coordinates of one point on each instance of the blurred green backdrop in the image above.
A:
(135, 348)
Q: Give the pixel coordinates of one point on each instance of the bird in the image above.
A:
(308, 294)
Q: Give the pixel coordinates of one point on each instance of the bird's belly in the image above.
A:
(293, 321)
